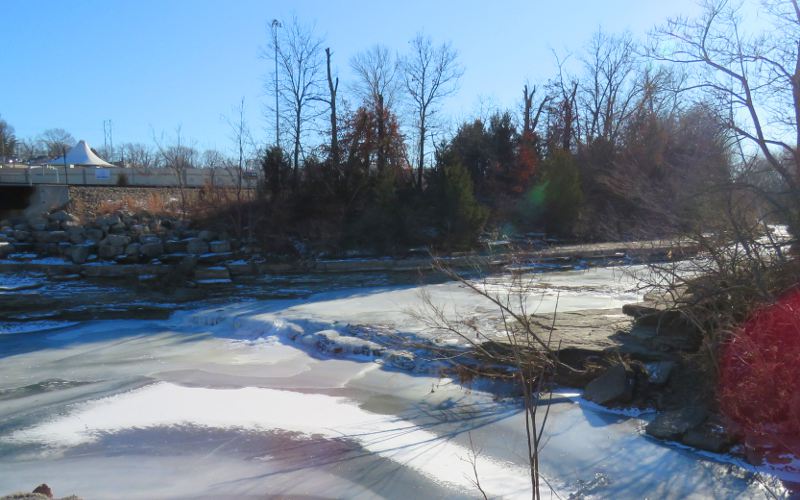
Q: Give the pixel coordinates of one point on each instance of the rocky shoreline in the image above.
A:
(147, 247)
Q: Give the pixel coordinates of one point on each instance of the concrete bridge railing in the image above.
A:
(115, 176)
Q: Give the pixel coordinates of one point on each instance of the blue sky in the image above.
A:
(150, 65)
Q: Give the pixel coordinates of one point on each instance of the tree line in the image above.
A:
(627, 139)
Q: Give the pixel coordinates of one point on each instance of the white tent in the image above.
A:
(81, 155)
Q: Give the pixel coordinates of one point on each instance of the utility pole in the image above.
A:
(108, 139)
(275, 25)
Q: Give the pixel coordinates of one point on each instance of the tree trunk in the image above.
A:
(333, 87)
(421, 158)
(379, 112)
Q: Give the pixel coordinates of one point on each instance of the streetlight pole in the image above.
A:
(275, 25)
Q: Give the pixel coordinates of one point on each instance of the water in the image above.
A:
(216, 401)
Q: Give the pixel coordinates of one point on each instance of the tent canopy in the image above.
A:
(80, 154)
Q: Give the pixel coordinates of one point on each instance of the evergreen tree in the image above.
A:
(563, 197)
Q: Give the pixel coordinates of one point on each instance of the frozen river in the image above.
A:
(229, 401)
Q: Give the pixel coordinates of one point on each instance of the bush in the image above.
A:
(760, 374)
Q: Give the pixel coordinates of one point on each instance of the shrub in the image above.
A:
(760, 374)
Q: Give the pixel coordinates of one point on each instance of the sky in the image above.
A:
(150, 66)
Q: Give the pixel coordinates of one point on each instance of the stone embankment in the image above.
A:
(654, 362)
(126, 243)
(120, 244)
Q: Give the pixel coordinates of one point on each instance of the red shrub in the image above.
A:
(760, 377)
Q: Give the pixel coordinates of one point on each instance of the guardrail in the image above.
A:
(119, 176)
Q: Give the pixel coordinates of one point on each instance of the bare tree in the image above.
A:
(376, 76)
(753, 78)
(179, 158)
(607, 91)
(430, 74)
(333, 89)
(529, 120)
(8, 142)
(300, 68)
(55, 141)
(523, 341)
(139, 156)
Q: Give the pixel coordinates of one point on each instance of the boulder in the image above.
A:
(658, 372)
(43, 489)
(62, 216)
(106, 251)
(20, 235)
(187, 264)
(613, 386)
(76, 235)
(6, 248)
(37, 224)
(79, 253)
(50, 236)
(401, 359)
(215, 274)
(671, 425)
(151, 249)
(196, 246)
(118, 228)
(708, 436)
(206, 235)
(133, 249)
(175, 246)
(117, 240)
(222, 246)
(240, 268)
(94, 234)
(108, 220)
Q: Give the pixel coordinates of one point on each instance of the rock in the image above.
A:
(658, 372)
(206, 235)
(118, 228)
(6, 248)
(401, 359)
(50, 236)
(62, 216)
(175, 246)
(108, 220)
(671, 425)
(613, 386)
(220, 246)
(21, 235)
(708, 436)
(240, 268)
(133, 249)
(196, 246)
(149, 238)
(214, 274)
(94, 234)
(76, 235)
(45, 490)
(187, 264)
(151, 249)
(37, 224)
(79, 253)
(110, 251)
(117, 240)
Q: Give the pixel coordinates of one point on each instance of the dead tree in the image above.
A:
(430, 74)
(333, 88)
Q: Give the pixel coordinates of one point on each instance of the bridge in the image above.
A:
(118, 176)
